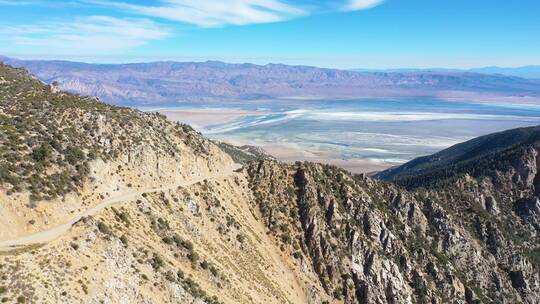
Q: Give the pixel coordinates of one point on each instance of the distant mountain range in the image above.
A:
(169, 83)
(529, 71)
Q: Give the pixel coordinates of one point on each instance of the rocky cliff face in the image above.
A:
(471, 241)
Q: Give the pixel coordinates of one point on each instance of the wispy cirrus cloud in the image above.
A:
(212, 13)
(92, 34)
(355, 5)
(129, 24)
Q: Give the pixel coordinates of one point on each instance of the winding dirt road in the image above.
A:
(53, 233)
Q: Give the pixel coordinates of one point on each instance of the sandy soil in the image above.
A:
(93, 267)
(53, 233)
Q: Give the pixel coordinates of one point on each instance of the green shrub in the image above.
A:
(103, 228)
(193, 257)
(157, 262)
(74, 155)
(124, 239)
(42, 153)
(241, 238)
(204, 265)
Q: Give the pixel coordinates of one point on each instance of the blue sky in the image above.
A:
(339, 33)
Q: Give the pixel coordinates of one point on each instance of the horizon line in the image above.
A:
(195, 59)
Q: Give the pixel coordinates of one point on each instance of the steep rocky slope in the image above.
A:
(372, 242)
(186, 226)
(56, 146)
(158, 214)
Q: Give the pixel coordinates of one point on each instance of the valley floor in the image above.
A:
(284, 152)
(361, 136)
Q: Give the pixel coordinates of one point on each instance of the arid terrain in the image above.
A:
(269, 152)
(201, 118)
(288, 153)
(102, 204)
(361, 136)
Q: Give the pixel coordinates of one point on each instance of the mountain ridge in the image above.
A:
(526, 71)
(170, 83)
(460, 155)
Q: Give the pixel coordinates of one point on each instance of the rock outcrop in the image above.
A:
(372, 242)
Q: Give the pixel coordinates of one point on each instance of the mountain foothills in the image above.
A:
(156, 213)
(170, 83)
